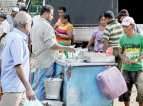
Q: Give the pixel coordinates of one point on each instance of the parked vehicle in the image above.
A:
(83, 13)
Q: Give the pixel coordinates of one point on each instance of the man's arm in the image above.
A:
(106, 37)
(29, 44)
(126, 60)
(51, 42)
(58, 23)
(105, 41)
(20, 72)
(3, 35)
(59, 47)
(55, 26)
(17, 51)
(121, 51)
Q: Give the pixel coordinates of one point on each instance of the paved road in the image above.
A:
(133, 99)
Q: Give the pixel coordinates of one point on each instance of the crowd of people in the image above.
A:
(121, 33)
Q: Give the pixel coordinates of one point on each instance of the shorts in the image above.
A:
(131, 78)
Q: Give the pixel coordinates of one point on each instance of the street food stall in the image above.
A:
(79, 86)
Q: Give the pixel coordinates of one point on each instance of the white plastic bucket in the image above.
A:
(52, 87)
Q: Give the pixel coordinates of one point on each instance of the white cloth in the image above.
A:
(4, 28)
(10, 21)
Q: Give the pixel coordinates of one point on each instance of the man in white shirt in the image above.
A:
(10, 17)
(4, 30)
(46, 49)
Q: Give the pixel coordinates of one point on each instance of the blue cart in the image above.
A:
(79, 85)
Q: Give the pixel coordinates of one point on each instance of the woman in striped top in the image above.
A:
(65, 31)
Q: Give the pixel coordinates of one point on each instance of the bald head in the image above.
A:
(21, 19)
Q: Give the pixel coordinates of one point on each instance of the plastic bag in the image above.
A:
(32, 103)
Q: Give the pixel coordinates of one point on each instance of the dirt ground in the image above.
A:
(133, 99)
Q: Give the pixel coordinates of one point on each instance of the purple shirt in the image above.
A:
(97, 35)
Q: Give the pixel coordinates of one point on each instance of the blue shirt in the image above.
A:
(10, 21)
(15, 51)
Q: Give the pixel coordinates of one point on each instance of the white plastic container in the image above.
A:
(52, 103)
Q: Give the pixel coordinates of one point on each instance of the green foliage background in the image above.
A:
(35, 6)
